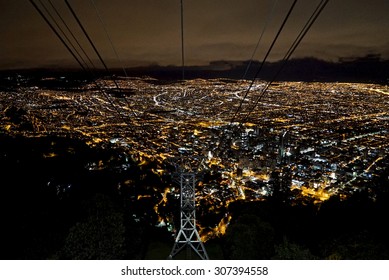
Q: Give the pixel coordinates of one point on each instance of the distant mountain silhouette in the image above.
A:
(367, 69)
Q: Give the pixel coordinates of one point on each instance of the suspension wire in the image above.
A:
(270, 16)
(90, 40)
(305, 29)
(114, 50)
(95, 49)
(63, 33)
(75, 57)
(291, 50)
(182, 41)
(265, 58)
(109, 37)
(116, 54)
(56, 33)
(82, 66)
(72, 34)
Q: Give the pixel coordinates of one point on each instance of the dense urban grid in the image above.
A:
(314, 140)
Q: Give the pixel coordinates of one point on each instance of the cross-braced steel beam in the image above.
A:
(188, 236)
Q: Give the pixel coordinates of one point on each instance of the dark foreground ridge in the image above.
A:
(65, 207)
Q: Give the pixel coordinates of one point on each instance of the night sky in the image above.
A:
(147, 32)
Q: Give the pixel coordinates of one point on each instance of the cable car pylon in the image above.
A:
(188, 237)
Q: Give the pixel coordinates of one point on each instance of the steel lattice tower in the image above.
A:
(188, 236)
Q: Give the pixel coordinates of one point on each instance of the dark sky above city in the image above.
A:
(147, 32)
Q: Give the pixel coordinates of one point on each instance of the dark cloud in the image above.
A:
(145, 31)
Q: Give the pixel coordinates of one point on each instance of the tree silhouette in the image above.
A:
(249, 238)
(292, 251)
(100, 236)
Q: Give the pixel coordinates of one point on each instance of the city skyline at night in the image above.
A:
(278, 111)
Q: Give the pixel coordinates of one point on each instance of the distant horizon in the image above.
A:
(371, 57)
(367, 69)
